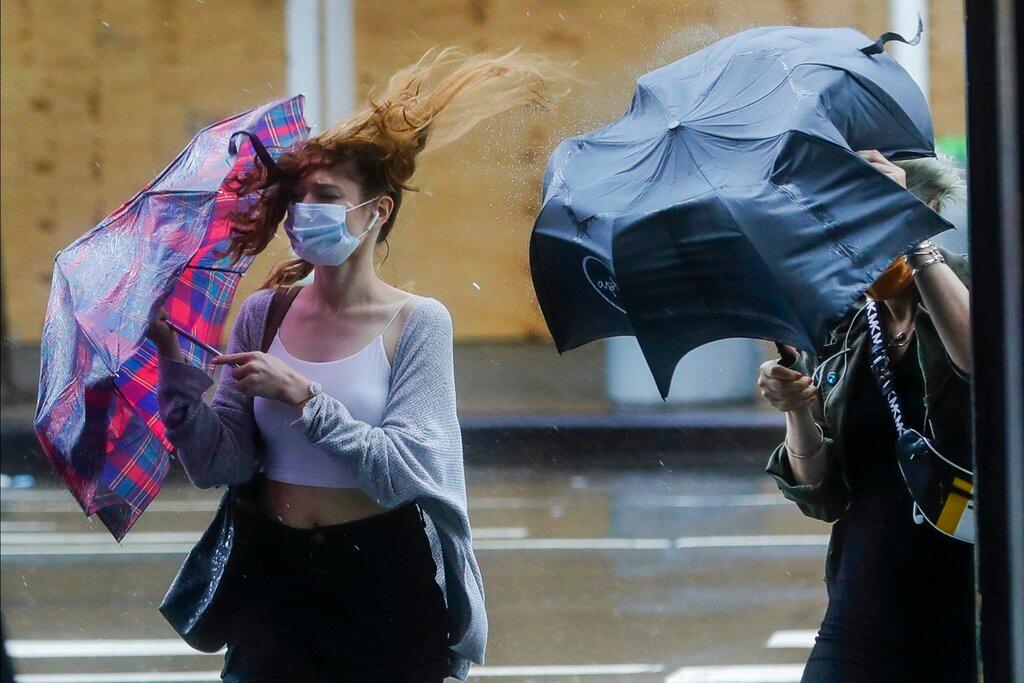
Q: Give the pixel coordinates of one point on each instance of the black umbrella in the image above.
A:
(728, 201)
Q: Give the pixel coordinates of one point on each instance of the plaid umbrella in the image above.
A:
(97, 413)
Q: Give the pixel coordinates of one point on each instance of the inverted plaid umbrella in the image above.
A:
(729, 202)
(97, 412)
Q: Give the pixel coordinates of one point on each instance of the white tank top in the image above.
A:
(360, 381)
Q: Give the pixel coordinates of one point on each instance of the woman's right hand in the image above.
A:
(784, 388)
(163, 336)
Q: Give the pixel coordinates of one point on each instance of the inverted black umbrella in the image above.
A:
(729, 202)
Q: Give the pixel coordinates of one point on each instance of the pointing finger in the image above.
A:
(234, 358)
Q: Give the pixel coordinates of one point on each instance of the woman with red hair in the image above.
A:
(357, 557)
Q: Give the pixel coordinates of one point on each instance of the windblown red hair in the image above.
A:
(379, 145)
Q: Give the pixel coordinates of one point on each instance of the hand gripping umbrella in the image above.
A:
(97, 415)
(728, 200)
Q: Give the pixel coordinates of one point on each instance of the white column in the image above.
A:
(302, 52)
(319, 47)
(903, 20)
(339, 60)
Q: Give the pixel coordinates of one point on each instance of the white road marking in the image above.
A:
(802, 640)
(723, 501)
(93, 550)
(86, 538)
(484, 532)
(475, 672)
(766, 541)
(139, 677)
(743, 673)
(682, 543)
(71, 649)
(565, 670)
(157, 543)
(575, 544)
(59, 500)
(16, 538)
(640, 501)
(8, 526)
(68, 505)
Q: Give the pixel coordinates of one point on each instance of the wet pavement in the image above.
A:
(702, 573)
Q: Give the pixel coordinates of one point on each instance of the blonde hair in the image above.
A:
(936, 181)
(422, 108)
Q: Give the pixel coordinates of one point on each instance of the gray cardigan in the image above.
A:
(415, 454)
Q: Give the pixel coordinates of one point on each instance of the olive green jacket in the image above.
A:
(947, 402)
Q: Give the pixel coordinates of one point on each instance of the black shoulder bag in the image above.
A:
(194, 604)
(943, 492)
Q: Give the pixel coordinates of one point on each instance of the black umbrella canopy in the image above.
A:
(729, 202)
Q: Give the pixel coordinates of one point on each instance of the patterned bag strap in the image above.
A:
(881, 368)
(279, 305)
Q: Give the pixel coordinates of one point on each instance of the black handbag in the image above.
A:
(195, 603)
(943, 491)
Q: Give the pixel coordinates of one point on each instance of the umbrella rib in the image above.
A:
(216, 270)
(724, 204)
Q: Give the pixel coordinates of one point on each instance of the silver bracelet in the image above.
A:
(937, 258)
(924, 249)
(813, 453)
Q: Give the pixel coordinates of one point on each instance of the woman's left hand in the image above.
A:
(883, 165)
(260, 374)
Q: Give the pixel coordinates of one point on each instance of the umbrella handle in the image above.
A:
(787, 358)
(192, 338)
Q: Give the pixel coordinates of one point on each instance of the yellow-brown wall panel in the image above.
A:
(97, 97)
(92, 110)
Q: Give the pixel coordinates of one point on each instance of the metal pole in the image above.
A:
(997, 308)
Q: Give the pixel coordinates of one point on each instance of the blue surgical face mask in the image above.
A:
(319, 232)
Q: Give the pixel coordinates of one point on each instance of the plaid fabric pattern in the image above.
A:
(97, 417)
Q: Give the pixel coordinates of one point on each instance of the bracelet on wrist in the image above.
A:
(937, 258)
(926, 247)
(313, 391)
(805, 456)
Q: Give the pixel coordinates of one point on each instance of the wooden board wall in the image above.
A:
(97, 95)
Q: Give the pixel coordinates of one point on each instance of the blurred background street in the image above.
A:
(669, 573)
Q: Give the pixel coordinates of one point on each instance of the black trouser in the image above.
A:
(352, 602)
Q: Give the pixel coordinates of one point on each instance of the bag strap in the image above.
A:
(279, 305)
(881, 369)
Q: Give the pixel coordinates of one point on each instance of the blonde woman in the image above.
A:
(900, 594)
(357, 560)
